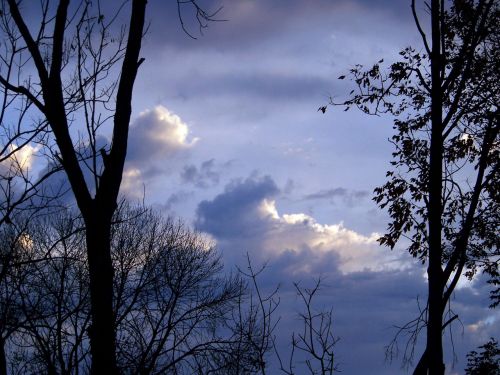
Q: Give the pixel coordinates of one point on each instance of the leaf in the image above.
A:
(341, 77)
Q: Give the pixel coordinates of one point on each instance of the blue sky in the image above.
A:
(226, 134)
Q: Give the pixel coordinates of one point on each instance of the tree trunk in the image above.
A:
(421, 368)
(3, 358)
(102, 332)
(436, 285)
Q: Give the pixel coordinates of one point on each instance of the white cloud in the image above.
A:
(245, 216)
(20, 159)
(483, 327)
(132, 185)
(355, 251)
(157, 134)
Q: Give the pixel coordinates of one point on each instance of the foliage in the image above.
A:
(442, 191)
(487, 362)
(470, 141)
(471, 128)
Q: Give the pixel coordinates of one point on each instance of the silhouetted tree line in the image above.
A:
(174, 308)
(486, 362)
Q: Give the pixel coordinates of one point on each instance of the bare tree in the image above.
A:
(59, 93)
(175, 311)
(314, 344)
(442, 194)
(171, 296)
(62, 71)
(53, 299)
(11, 250)
(255, 324)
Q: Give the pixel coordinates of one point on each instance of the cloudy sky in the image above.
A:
(226, 134)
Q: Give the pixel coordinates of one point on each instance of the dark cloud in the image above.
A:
(328, 194)
(266, 85)
(175, 199)
(259, 85)
(245, 215)
(368, 307)
(248, 22)
(203, 177)
(232, 214)
(350, 197)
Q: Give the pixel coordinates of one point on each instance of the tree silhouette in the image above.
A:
(175, 310)
(63, 72)
(487, 362)
(442, 193)
(315, 341)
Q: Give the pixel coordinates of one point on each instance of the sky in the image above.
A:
(226, 134)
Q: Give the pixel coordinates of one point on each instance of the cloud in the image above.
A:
(349, 197)
(256, 20)
(236, 213)
(175, 199)
(132, 185)
(157, 134)
(245, 215)
(202, 177)
(271, 87)
(20, 159)
(156, 137)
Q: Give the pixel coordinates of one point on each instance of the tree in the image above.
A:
(485, 363)
(442, 193)
(316, 340)
(11, 250)
(173, 305)
(59, 94)
(174, 308)
(52, 299)
(61, 72)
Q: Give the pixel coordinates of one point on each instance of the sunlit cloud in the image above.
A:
(246, 215)
(157, 134)
(483, 328)
(158, 139)
(20, 159)
(132, 185)
(296, 232)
